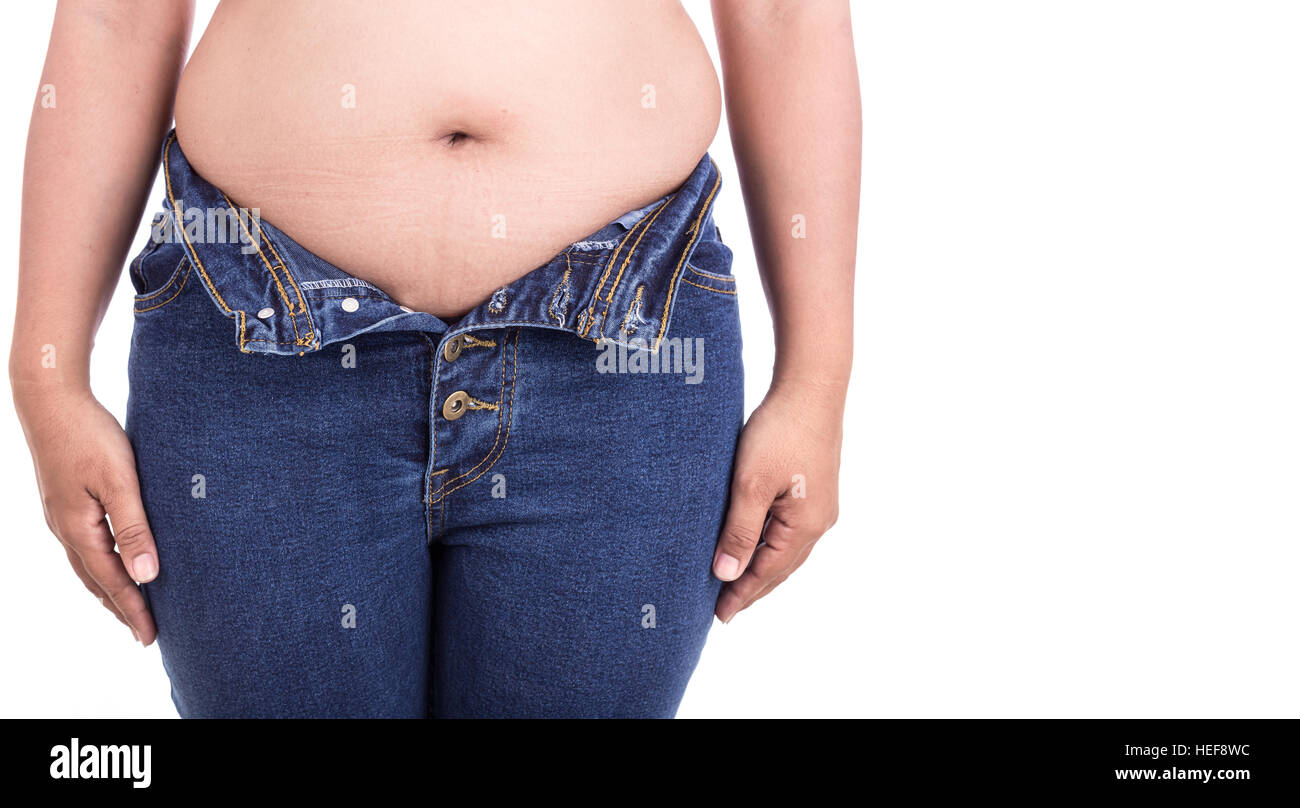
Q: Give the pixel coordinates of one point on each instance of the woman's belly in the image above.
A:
(440, 150)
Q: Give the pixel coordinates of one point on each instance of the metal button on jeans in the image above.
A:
(452, 347)
(455, 405)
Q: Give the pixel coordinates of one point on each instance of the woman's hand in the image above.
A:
(85, 470)
(784, 491)
(794, 110)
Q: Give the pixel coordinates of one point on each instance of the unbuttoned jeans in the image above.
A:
(363, 510)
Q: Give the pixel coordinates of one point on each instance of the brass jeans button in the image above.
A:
(456, 405)
(451, 348)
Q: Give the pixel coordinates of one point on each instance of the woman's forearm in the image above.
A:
(795, 114)
(92, 149)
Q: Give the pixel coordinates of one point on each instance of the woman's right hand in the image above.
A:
(85, 469)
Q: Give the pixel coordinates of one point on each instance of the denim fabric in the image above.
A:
(337, 539)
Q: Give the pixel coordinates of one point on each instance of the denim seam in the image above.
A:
(238, 314)
(299, 339)
(337, 283)
(257, 244)
(179, 288)
(590, 314)
(514, 380)
(634, 305)
(563, 285)
(313, 339)
(433, 431)
(690, 244)
(709, 288)
(358, 296)
(710, 275)
(551, 326)
(609, 298)
(501, 397)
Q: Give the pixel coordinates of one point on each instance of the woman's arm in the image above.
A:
(92, 150)
(795, 115)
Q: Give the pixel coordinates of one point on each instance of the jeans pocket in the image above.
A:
(709, 267)
(152, 299)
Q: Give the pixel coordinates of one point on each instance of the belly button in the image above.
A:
(455, 138)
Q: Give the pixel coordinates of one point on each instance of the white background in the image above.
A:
(1071, 458)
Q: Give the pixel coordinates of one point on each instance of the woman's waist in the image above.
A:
(440, 235)
(615, 283)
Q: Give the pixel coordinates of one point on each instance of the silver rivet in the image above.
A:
(350, 304)
(264, 313)
(405, 309)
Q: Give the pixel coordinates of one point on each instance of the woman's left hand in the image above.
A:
(784, 491)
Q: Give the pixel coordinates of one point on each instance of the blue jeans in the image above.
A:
(363, 510)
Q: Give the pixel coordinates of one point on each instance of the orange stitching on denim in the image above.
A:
(709, 288)
(171, 196)
(563, 284)
(609, 299)
(475, 342)
(695, 234)
(302, 304)
(444, 490)
(496, 439)
(636, 302)
(171, 279)
(514, 379)
(345, 297)
(710, 275)
(310, 336)
(274, 341)
(591, 310)
(179, 289)
(257, 243)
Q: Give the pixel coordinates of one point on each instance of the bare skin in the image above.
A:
(390, 144)
(538, 113)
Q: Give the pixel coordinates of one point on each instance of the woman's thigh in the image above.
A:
(575, 541)
(286, 497)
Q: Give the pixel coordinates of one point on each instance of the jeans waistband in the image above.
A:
(617, 284)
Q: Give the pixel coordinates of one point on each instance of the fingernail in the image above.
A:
(144, 568)
(728, 620)
(727, 567)
(136, 634)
